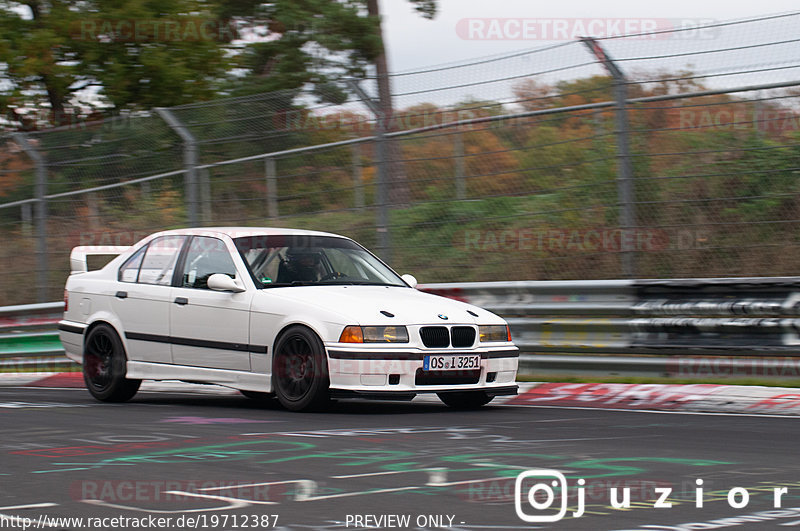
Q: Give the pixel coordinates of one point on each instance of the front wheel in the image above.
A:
(104, 366)
(300, 370)
(465, 399)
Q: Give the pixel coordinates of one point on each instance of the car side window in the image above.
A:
(129, 272)
(159, 261)
(206, 256)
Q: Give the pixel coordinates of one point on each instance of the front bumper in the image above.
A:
(407, 395)
(394, 373)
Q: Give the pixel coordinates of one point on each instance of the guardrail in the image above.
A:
(29, 338)
(739, 321)
(670, 366)
(713, 316)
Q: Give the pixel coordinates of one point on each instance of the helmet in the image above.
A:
(303, 264)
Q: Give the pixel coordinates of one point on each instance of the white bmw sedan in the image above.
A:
(303, 316)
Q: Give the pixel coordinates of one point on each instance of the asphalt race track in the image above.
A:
(226, 462)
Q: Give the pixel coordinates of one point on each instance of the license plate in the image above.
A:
(450, 362)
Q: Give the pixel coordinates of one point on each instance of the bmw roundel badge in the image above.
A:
(443, 317)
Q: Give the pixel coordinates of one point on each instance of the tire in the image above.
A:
(104, 366)
(465, 399)
(300, 370)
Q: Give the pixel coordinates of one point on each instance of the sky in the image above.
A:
(414, 42)
(722, 56)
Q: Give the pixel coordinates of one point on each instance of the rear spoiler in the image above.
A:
(77, 258)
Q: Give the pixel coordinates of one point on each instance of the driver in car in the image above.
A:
(303, 265)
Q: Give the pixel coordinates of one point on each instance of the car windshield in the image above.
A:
(301, 260)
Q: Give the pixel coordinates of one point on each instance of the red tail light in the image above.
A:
(66, 301)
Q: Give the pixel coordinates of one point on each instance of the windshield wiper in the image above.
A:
(329, 283)
(371, 283)
(284, 284)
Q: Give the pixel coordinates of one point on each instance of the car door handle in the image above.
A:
(183, 301)
(122, 295)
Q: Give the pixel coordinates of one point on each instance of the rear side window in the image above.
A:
(129, 272)
(159, 261)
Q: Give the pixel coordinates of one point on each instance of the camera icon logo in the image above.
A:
(541, 495)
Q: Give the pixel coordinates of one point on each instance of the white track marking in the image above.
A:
(362, 493)
(291, 434)
(244, 503)
(308, 487)
(233, 503)
(387, 473)
(701, 413)
(451, 483)
(582, 408)
(29, 506)
(13, 518)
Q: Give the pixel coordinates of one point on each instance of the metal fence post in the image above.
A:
(92, 212)
(598, 141)
(205, 196)
(189, 162)
(27, 219)
(358, 181)
(627, 217)
(384, 241)
(40, 215)
(458, 153)
(759, 125)
(382, 193)
(272, 187)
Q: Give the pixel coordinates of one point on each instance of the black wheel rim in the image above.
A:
(296, 368)
(98, 359)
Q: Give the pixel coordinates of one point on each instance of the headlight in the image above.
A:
(374, 334)
(494, 333)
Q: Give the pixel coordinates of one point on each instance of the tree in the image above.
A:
(315, 42)
(312, 42)
(76, 57)
(320, 42)
(71, 57)
(397, 178)
(533, 95)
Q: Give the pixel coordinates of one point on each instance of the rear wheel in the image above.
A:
(300, 370)
(465, 399)
(104, 366)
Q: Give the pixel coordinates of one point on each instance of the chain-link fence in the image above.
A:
(503, 168)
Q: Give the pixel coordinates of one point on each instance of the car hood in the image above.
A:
(362, 305)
